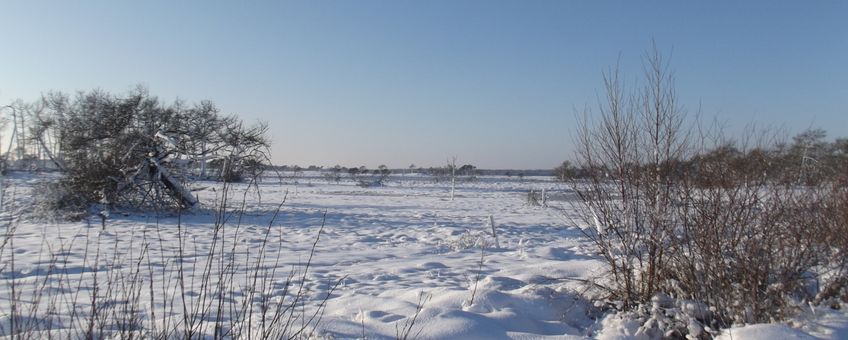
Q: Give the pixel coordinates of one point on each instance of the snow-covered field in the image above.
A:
(407, 260)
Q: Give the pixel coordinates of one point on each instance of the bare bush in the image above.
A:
(705, 219)
(631, 153)
(55, 202)
(377, 177)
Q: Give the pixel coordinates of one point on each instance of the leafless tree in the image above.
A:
(451, 166)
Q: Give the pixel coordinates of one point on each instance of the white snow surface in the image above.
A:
(391, 246)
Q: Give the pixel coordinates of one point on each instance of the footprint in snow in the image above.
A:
(370, 239)
(379, 315)
(502, 283)
(385, 277)
(431, 265)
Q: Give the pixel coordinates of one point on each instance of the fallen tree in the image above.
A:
(133, 151)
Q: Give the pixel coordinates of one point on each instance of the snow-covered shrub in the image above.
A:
(135, 151)
(632, 155)
(376, 179)
(53, 200)
(471, 239)
(711, 221)
(834, 245)
(243, 151)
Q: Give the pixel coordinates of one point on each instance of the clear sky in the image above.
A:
(494, 83)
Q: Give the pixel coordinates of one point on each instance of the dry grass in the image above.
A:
(137, 287)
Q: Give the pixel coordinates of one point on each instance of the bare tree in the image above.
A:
(4, 122)
(383, 173)
(244, 150)
(451, 166)
(565, 171)
(201, 126)
(631, 153)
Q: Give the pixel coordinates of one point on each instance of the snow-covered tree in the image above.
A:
(135, 150)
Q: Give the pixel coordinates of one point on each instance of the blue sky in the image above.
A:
(494, 83)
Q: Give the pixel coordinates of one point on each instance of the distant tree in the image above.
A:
(353, 172)
(371, 178)
(336, 172)
(383, 172)
(297, 171)
(4, 121)
(565, 171)
(451, 166)
(467, 172)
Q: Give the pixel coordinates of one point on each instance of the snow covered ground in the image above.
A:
(401, 252)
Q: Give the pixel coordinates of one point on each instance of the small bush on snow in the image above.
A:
(54, 200)
(471, 240)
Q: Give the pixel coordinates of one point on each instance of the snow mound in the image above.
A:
(764, 332)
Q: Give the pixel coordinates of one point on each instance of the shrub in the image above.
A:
(721, 227)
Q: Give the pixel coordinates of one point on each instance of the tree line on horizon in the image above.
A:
(809, 158)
